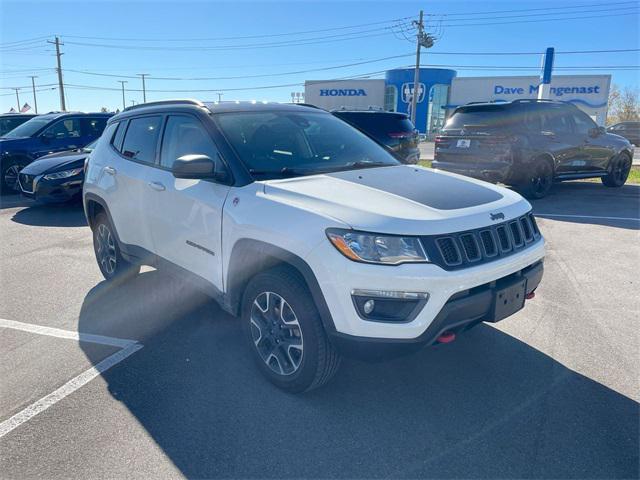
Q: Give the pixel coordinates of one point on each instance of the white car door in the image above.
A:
(185, 216)
(125, 171)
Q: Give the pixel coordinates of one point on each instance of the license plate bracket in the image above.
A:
(508, 300)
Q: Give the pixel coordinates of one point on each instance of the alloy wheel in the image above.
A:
(621, 169)
(276, 333)
(106, 251)
(11, 177)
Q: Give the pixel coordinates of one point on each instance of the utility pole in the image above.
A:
(144, 90)
(33, 85)
(17, 98)
(57, 43)
(422, 40)
(124, 104)
(416, 74)
(219, 96)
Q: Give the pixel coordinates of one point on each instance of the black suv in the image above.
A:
(9, 121)
(392, 129)
(628, 130)
(43, 135)
(530, 144)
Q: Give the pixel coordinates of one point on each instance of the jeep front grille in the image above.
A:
(474, 247)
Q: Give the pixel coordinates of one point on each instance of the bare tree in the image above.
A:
(624, 105)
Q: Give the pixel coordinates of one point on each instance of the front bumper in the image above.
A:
(52, 191)
(462, 311)
(338, 277)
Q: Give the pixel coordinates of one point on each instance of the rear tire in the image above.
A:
(539, 180)
(619, 168)
(105, 245)
(285, 333)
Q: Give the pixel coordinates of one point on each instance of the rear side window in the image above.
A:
(93, 126)
(117, 139)
(141, 139)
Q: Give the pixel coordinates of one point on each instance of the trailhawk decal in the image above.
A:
(428, 188)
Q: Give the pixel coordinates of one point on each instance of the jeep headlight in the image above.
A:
(63, 174)
(377, 248)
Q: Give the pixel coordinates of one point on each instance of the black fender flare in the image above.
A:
(249, 257)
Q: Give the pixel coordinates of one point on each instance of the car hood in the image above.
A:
(56, 162)
(400, 199)
(12, 143)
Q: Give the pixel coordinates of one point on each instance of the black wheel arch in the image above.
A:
(250, 257)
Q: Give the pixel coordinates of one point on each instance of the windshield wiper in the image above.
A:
(284, 171)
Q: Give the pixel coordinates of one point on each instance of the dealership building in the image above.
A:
(441, 90)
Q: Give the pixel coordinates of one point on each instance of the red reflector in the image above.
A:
(531, 295)
(447, 337)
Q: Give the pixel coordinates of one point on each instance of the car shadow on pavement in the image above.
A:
(54, 215)
(487, 405)
(591, 203)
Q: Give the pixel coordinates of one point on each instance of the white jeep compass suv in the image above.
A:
(307, 230)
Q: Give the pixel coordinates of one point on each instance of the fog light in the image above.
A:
(368, 306)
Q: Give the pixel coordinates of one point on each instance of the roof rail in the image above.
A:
(166, 102)
(533, 100)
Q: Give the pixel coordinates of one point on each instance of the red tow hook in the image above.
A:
(531, 295)
(447, 337)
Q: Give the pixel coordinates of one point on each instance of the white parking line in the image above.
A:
(592, 217)
(129, 347)
(68, 334)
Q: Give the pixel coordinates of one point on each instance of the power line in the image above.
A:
(287, 43)
(453, 25)
(532, 9)
(580, 12)
(269, 35)
(335, 67)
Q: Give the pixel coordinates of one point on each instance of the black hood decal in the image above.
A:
(442, 192)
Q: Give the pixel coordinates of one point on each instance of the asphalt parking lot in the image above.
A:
(148, 379)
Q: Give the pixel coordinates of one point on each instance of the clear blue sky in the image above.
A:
(122, 24)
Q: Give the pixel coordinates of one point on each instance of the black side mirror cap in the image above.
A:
(194, 167)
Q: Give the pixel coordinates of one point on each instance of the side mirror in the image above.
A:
(597, 131)
(194, 167)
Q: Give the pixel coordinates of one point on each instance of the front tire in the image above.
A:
(9, 177)
(110, 261)
(619, 168)
(285, 333)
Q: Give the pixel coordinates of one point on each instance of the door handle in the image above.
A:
(110, 170)
(157, 186)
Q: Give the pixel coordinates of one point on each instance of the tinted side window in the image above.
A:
(67, 128)
(93, 126)
(583, 123)
(116, 141)
(141, 139)
(185, 135)
(556, 120)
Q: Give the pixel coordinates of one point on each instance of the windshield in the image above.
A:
(486, 117)
(28, 128)
(277, 144)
